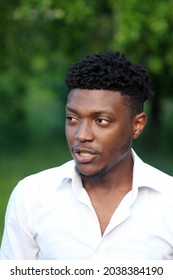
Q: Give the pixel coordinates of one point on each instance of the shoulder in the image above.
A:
(56, 173)
(147, 175)
(35, 191)
(163, 181)
(44, 182)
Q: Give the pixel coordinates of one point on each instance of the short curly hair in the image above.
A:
(112, 71)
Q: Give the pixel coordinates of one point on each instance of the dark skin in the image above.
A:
(99, 132)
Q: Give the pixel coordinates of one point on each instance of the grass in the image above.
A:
(15, 166)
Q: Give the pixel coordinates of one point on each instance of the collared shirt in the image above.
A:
(50, 216)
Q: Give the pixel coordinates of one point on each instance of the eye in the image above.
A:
(71, 119)
(103, 122)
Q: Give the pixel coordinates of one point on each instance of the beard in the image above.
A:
(94, 178)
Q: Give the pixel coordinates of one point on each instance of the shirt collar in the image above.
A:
(69, 174)
(143, 175)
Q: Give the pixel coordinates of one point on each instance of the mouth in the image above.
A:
(82, 155)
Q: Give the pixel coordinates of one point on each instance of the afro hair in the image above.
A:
(111, 71)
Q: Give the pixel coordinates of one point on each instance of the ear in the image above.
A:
(139, 123)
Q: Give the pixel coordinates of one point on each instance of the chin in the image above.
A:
(91, 176)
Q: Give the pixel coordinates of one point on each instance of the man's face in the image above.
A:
(99, 130)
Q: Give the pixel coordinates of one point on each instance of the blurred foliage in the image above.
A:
(40, 38)
(145, 33)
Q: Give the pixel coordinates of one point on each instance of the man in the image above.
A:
(106, 203)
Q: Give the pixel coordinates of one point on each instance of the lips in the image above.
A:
(84, 155)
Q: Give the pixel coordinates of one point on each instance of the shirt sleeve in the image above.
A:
(18, 242)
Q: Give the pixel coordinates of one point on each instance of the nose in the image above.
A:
(84, 132)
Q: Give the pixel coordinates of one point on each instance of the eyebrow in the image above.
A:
(71, 109)
(95, 113)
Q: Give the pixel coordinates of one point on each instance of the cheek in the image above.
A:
(120, 141)
(69, 134)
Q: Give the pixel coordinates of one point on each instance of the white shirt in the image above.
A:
(50, 216)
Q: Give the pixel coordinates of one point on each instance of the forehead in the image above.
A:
(85, 100)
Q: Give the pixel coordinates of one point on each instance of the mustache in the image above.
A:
(86, 149)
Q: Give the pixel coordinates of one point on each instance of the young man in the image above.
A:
(106, 203)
